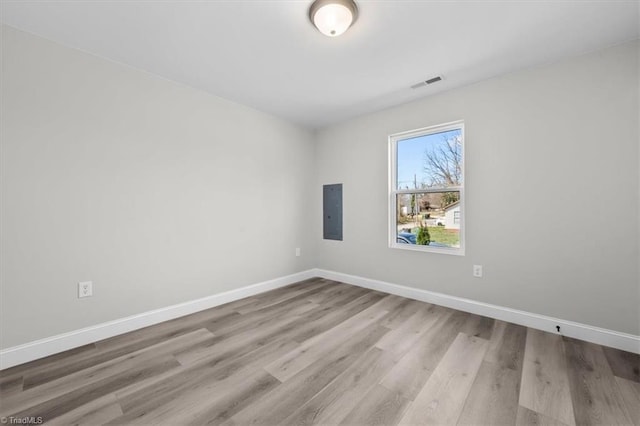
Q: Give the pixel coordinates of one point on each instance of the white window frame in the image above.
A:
(393, 191)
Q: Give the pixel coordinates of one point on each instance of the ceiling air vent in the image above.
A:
(426, 82)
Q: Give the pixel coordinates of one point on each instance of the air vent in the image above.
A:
(429, 81)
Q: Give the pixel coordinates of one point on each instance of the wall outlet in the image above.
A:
(297, 251)
(477, 271)
(85, 289)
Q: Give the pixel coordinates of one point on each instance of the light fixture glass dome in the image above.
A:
(333, 17)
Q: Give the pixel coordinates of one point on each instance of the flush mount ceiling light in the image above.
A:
(333, 17)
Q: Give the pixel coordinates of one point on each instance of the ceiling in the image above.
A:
(266, 54)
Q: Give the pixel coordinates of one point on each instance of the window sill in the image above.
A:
(440, 250)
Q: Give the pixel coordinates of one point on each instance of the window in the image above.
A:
(426, 191)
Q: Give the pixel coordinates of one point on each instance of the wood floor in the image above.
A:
(322, 352)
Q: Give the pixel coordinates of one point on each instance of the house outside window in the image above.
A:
(456, 217)
(426, 189)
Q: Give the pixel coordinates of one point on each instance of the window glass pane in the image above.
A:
(431, 219)
(431, 161)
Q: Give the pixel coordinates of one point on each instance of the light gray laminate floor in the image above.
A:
(322, 352)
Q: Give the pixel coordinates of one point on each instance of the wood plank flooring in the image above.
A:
(326, 353)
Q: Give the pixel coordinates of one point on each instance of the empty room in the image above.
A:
(320, 212)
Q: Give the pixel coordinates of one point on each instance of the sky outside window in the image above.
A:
(412, 155)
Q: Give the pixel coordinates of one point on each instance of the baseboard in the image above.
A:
(51, 345)
(44, 347)
(601, 336)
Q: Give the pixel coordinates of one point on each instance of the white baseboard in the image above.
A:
(44, 347)
(73, 339)
(601, 336)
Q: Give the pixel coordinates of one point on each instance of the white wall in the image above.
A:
(156, 192)
(161, 194)
(559, 138)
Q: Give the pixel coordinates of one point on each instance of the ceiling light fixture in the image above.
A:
(333, 17)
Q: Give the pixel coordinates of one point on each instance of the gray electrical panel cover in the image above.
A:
(332, 211)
